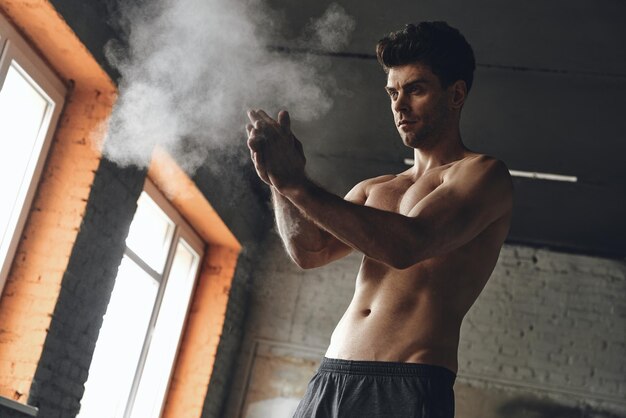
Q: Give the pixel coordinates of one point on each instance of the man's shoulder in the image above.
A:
(482, 165)
(487, 174)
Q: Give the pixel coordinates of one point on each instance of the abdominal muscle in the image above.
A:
(413, 315)
(388, 321)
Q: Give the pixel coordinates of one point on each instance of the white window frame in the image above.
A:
(182, 230)
(13, 48)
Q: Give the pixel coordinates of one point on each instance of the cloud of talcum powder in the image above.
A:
(190, 69)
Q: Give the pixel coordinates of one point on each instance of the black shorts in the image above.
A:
(378, 389)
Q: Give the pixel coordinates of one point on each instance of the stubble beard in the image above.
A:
(430, 126)
(418, 138)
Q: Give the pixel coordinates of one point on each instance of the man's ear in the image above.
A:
(458, 94)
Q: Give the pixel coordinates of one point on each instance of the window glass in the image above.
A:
(31, 99)
(167, 332)
(22, 111)
(120, 343)
(150, 233)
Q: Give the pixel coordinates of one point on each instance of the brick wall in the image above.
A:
(34, 282)
(546, 334)
(86, 288)
(553, 322)
(89, 279)
(50, 232)
(33, 285)
(58, 290)
(226, 358)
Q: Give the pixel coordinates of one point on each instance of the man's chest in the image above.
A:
(400, 194)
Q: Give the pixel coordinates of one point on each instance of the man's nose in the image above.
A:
(400, 103)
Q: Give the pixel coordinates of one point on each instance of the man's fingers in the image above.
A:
(265, 117)
(263, 125)
(260, 169)
(255, 143)
(255, 115)
(254, 132)
(284, 120)
(252, 115)
(258, 164)
(259, 124)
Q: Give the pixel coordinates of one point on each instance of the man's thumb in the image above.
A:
(283, 120)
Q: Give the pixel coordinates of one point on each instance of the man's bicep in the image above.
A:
(459, 209)
(357, 194)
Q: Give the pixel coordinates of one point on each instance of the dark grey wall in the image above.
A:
(548, 96)
(92, 24)
(86, 288)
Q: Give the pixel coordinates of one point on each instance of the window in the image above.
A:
(31, 98)
(140, 334)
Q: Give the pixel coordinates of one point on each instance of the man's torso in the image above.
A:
(414, 315)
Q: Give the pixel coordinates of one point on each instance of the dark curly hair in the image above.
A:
(436, 44)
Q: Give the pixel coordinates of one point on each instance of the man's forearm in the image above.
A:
(301, 236)
(384, 236)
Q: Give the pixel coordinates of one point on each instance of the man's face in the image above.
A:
(418, 103)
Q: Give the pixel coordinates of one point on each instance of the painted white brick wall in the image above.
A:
(547, 322)
(550, 320)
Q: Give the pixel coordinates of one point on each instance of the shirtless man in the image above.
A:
(430, 236)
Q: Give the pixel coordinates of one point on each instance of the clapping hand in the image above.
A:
(275, 151)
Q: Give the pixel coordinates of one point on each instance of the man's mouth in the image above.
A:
(405, 122)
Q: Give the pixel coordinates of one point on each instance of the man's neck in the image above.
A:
(445, 150)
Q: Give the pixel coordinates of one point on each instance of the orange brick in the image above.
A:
(34, 281)
(201, 336)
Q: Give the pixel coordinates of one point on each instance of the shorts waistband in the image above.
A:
(386, 368)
